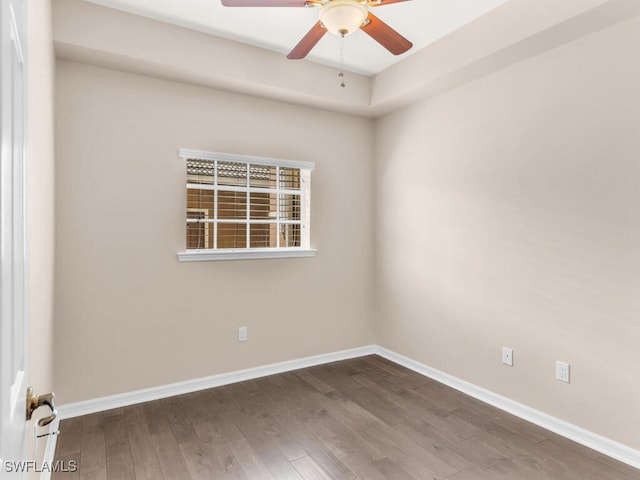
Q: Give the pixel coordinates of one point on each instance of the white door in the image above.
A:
(13, 368)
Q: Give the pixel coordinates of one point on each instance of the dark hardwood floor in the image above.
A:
(359, 419)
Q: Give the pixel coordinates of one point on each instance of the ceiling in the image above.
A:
(280, 29)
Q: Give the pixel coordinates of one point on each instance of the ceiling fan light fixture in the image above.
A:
(343, 17)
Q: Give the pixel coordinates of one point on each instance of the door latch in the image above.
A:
(34, 401)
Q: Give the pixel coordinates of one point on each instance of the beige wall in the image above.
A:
(40, 200)
(128, 314)
(83, 33)
(508, 214)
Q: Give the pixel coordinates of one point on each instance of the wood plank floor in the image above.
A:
(366, 418)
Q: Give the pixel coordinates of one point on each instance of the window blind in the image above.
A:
(244, 205)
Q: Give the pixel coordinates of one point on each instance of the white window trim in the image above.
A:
(245, 254)
(186, 153)
(249, 253)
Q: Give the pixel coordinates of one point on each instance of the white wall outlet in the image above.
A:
(507, 356)
(243, 334)
(562, 371)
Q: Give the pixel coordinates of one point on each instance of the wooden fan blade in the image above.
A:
(382, 3)
(386, 36)
(308, 42)
(264, 3)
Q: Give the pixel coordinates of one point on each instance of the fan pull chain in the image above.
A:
(341, 74)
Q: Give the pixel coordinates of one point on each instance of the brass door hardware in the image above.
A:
(34, 401)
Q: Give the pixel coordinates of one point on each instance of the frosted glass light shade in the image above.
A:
(343, 17)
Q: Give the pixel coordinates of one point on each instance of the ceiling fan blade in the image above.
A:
(386, 36)
(308, 42)
(264, 3)
(382, 3)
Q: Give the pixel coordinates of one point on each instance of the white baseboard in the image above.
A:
(584, 437)
(579, 435)
(155, 393)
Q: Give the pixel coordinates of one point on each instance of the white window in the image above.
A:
(245, 207)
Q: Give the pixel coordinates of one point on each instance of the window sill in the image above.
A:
(244, 254)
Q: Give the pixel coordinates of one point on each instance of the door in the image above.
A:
(13, 367)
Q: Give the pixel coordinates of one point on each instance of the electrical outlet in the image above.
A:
(507, 356)
(243, 334)
(562, 371)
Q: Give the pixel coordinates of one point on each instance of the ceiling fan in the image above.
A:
(340, 17)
